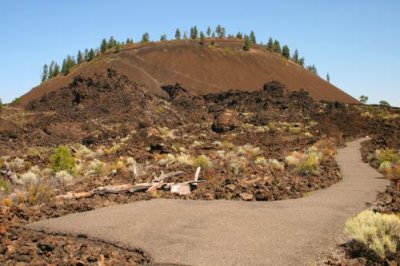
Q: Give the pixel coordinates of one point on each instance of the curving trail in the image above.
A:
(290, 232)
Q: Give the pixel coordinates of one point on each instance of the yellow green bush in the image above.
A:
(310, 165)
(387, 155)
(203, 162)
(62, 160)
(39, 193)
(378, 232)
(4, 185)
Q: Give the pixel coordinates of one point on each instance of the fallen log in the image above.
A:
(158, 183)
(163, 176)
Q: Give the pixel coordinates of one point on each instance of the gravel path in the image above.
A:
(221, 232)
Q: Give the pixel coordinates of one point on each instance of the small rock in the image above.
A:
(175, 91)
(246, 196)
(208, 196)
(23, 258)
(225, 121)
(89, 141)
(387, 199)
(3, 230)
(231, 187)
(260, 195)
(10, 249)
(45, 247)
(275, 88)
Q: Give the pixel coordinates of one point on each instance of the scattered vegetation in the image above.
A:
(16, 100)
(39, 193)
(247, 43)
(372, 111)
(308, 163)
(4, 185)
(62, 160)
(29, 178)
(384, 103)
(204, 162)
(389, 163)
(363, 99)
(64, 177)
(378, 232)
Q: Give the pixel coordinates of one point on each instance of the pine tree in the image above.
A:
(328, 78)
(45, 73)
(363, 99)
(163, 37)
(56, 70)
(286, 52)
(86, 54)
(301, 61)
(103, 46)
(51, 70)
(213, 35)
(247, 43)
(145, 38)
(177, 34)
(193, 33)
(277, 47)
(111, 43)
(220, 31)
(117, 47)
(68, 63)
(208, 32)
(239, 35)
(312, 69)
(202, 37)
(91, 55)
(1, 105)
(79, 57)
(295, 57)
(270, 44)
(64, 66)
(253, 37)
(384, 103)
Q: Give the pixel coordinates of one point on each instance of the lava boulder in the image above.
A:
(225, 121)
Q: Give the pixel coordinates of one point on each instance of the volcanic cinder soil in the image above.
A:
(202, 68)
(174, 120)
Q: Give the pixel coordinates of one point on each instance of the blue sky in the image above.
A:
(357, 41)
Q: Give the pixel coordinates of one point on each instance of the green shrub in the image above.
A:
(378, 232)
(310, 165)
(17, 100)
(385, 167)
(294, 130)
(387, 155)
(62, 160)
(4, 185)
(39, 193)
(203, 162)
